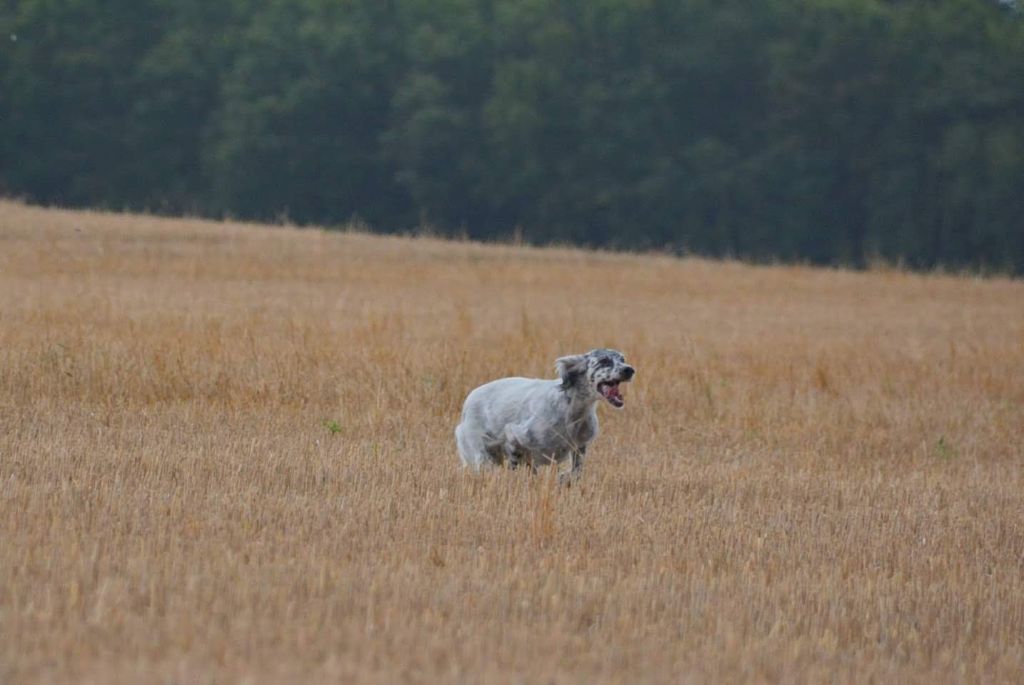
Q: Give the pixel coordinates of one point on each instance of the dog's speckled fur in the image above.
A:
(516, 420)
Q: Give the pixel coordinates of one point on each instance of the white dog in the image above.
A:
(517, 420)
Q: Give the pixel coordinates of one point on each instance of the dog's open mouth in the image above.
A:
(610, 391)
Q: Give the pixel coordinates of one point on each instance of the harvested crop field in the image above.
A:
(226, 455)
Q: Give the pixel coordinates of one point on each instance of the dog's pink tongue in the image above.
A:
(611, 392)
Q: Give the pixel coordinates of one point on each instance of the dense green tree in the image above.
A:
(433, 140)
(171, 119)
(961, 113)
(69, 87)
(302, 110)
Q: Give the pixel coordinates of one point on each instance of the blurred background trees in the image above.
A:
(827, 131)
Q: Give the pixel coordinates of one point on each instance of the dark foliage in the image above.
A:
(833, 131)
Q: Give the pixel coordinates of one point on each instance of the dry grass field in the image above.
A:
(226, 456)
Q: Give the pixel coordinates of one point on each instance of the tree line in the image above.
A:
(824, 131)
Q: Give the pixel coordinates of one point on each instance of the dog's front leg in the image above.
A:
(577, 455)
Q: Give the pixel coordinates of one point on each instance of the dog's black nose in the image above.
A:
(628, 372)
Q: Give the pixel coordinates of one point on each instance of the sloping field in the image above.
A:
(226, 456)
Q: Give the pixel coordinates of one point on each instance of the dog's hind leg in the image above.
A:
(512, 454)
(513, 450)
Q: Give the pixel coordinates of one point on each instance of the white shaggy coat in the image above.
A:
(535, 421)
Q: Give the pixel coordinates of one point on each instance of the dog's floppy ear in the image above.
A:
(571, 368)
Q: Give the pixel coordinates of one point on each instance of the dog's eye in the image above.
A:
(604, 362)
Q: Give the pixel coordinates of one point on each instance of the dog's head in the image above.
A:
(596, 375)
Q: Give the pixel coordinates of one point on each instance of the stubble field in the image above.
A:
(226, 456)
